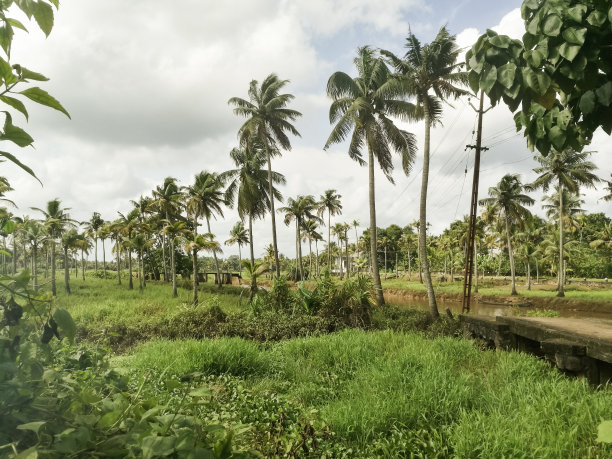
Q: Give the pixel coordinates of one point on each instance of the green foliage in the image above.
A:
(559, 74)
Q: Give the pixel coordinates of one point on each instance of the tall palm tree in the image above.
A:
(36, 235)
(309, 231)
(174, 230)
(431, 74)
(568, 169)
(240, 236)
(268, 122)
(116, 230)
(83, 243)
(508, 200)
(103, 234)
(300, 209)
(330, 201)
(206, 197)
(166, 199)
(69, 241)
(194, 243)
(140, 242)
(92, 226)
(361, 109)
(56, 219)
(129, 224)
(248, 186)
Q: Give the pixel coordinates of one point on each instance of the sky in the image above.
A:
(147, 83)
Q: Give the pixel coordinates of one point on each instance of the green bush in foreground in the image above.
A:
(392, 394)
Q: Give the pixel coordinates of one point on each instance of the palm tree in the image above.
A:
(166, 199)
(300, 209)
(103, 234)
(194, 243)
(206, 197)
(56, 219)
(248, 186)
(129, 223)
(568, 169)
(254, 271)
(115, 230)
(608, 190)
(426, 68)
(36, 235)
(239, 236)
(83, 243)
(268, 122)
(604, 237)
(92, 227)
(69, 241)
(174, 230)
(362, 105)
(330, 201)
(384, 243)
(309, 231)
(140, 242)
(508, 200)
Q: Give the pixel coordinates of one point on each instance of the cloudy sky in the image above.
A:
(147, 84)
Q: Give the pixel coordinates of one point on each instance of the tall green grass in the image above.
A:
(394, 394)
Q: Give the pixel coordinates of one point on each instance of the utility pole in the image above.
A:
(469, 256)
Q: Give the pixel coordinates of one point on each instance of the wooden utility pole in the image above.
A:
(469, 256)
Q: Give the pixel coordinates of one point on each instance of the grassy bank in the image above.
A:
(391, 394)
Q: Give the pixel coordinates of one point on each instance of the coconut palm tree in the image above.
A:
(309, 231)
(329, 201)
(92, 226)
(174, 230)
(248, 186)
(361, 109)
(69, 241)
(240, 236)
(83, 243)
(568, 169)
(268, 122)
(103, 234)
(254, 271)
(166, 199)
(430, 73)
(115, 231)
(56, 220)
(194, 243)
(141, 241)
(508, 200)
(608, 190)
(36, 235)
(129, 224)
(206, 197)
(300, 209)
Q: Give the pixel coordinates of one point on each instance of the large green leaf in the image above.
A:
(489, 77)
(552, 25)
(574, 35)
(65, 323)
(16, 23)
(557, 137)
(569, 51)
(474, 80)
(14, 160)
(6, 37)
(577, 12)
(587, 102)
(157, 446)
(604, 94)
(16, 104)
(27, 74)
(596, 18)
(43, 13)
(42, 97)
(500, 41)
(506, 74)
(33, 426)
(14, 133)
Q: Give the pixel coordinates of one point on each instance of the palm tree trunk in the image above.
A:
(340, 258)
(174, 290)
(131, 282)
(528, 275)
(510, 256)
(251, 240)
(348, 267)
(118, 261)
(239, 261)
(317, 273)
(433, 306)
(35, 270)
(96, 255)
(380, 300)
(310, 256)
(329, 239)
(104, 258)
(164, 264)
(409, 266)
(214, 256)
(452, 271)
(83, 264)
(140, 271)
(560, 291)
(272, 211)
(66, 271)
(196, 280)
(53, 284)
